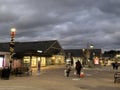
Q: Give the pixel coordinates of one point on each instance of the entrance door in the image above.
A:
(34, 61)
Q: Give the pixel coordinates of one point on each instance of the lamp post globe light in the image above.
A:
(13, 30)
(84, 60)
(91, 52)
(12, 45)
(91, 46)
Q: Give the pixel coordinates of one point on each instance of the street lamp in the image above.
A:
(91, 46)
(92, 53)
(39, 62)
(12, 45)
(84, 61)
(13, 30)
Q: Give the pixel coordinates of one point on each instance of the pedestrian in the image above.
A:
(78, 67)
(67, 70)
(113, 65)
(68, 67)
(116, 65)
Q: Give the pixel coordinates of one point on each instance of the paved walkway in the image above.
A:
(54, 79)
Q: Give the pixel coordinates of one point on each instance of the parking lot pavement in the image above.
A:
(104, 68)
(19, 88)
(52, 78)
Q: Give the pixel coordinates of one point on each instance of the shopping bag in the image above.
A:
(75, 72)
(82, 74)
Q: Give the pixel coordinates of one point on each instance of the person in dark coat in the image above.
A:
(78, 67)
(116, 65)
(113, 65)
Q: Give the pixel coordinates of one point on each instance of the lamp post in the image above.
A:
(39, 62)
(83, 62)
(92, 54)
(12, 45)
(91, 46)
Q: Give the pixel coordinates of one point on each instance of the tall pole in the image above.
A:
(84, 60)
(39, 62)
(12, 45)
(39, 65)
(92, 54)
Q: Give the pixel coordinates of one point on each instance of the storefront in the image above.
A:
(4, 59)
(1, 61)
(32, 61)
(55, 59)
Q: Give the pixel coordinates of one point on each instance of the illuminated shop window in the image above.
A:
(1, 62)
(33, 61)
(26, 59)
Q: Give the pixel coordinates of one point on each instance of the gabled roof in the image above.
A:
(80, 52)
(74, 52)
(98, 52)
(48, 47)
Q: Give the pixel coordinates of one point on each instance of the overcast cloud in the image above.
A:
(74, 23)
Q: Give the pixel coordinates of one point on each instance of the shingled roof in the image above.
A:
(47, 47)
(80, 53)
(74, 52)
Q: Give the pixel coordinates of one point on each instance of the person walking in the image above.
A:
(116, 65)
(113, 65)
(78, 67)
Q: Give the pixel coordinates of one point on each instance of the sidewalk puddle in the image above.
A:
(88, 74)
(76, 79)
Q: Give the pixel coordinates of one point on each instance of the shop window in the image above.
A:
(1, 61)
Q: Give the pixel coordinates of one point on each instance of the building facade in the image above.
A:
(30, 53)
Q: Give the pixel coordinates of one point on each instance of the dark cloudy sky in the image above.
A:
(74, 23)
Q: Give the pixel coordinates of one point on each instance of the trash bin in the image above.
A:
(5, 73)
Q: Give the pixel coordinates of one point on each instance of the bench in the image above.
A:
(23, 71)
(116, 77)
(27, 71)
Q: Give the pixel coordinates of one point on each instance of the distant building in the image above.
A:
(83, 54)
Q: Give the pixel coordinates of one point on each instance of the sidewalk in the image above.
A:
(51, 78)
(50, 67)
(98, 68)
(53, 67)
(104, 68)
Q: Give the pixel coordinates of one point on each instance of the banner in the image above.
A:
(96, 60)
